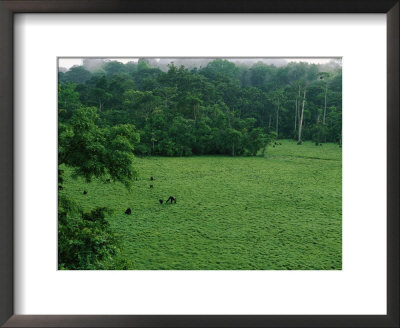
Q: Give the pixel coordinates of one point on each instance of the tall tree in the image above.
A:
(277, 97)
(299, 141)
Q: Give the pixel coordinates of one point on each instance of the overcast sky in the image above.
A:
(69, 62)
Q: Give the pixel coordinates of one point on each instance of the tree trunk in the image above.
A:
(277, 120)
(296, 114)
(295, 119)
(148, 111)
(326, 91)
(302, 116)
(298, 107)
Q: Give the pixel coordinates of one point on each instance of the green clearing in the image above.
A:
(278, 212)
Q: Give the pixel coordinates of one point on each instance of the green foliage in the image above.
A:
(77, 74)
(86, 240)
(97, 152)
(118, 155)
(184, 112)
(68, 98)
(220, 69)
(278, 212)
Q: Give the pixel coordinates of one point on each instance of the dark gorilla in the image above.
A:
(151, 178)
(161, 201)
(84, 192)
(171, 199)
(128, 211)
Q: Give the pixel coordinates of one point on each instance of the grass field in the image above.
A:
(278, 212)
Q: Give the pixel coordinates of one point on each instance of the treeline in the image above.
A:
(222, 108)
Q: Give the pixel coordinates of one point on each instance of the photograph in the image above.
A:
(199, 163)
(167, 163)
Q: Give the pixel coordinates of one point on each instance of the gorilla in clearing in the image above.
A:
(171, 199)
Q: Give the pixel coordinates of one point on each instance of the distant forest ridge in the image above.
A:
(181, 107)
(93, 64)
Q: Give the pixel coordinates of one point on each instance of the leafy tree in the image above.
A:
(68, 100)
(140, 104)
(113, 67)
(96, 152)
(77, 74)
(86, 240)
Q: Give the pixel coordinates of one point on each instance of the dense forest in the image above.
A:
(221, 108)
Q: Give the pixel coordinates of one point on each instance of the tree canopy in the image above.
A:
(221, 108)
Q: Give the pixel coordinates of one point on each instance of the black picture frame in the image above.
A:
(7, 10)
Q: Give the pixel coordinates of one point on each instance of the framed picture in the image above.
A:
(198, 175)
